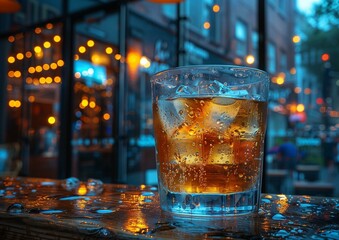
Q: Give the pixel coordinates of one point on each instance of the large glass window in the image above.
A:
(115, 51)
(271, 58)
(241, 37)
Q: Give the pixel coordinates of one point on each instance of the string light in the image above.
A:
(57, 38)
(90, 43)
(47, 44)
(216, 8)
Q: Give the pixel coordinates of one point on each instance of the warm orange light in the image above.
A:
(17, 74)
(145, 62)
(37, 30)
(117, 56)
(82, 190)
(296, 39)
(31, 98)
(84, 102)
(38, 68)
(293, 108)
(325, 57)
(92, 104)
(57, 79)
(39, 55)
(133, 58)
(49, 25)
(37, 49)
(90, 43)
(60, 63)
(216, 8)
(57, 38)
(45, 67)
(280, 80)
(11, 59)
(11, 103)
(237, 61)
(19, 56)
(297, 90)
(17, 103)
(35, 81)
(106, 116)
(14, 103)
(42, 80)
(293, 71)
(76, 57)
(49, 80)
(31, 70)
(77, 75)
(109, 50)
(53, 66)
(11, 39)
(307, 91)
(250, 59)
(51, 120)
(300, 107)
(29, 80)
(207, 25)
(82, 49)
(28, 54)
(47, 44)
(11, 74)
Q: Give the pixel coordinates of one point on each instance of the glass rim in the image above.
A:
(155, 77)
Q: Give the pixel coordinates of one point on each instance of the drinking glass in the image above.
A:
(209, 127)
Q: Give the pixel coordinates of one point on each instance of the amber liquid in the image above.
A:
(211, 145)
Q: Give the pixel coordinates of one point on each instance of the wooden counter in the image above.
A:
(51, 209)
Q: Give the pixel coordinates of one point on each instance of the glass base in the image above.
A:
(210, 204)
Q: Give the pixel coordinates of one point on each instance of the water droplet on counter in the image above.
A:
(305, 205)
(15, 208)
(278, 217)
(47, 183)
(330, 232)
(70, 198)
(71, 183)
(104, 211)
(282, 233)
(94, 187)
(147, 194)
(51, 211)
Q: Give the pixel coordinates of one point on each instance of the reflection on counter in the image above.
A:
(90, 209)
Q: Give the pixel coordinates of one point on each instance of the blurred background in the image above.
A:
(75, 93)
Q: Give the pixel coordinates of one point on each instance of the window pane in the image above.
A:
(31, 12)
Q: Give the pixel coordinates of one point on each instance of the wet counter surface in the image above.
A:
(70, 209)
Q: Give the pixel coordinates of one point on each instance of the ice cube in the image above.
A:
(218, 88)
(184, 90)
(170, 114)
